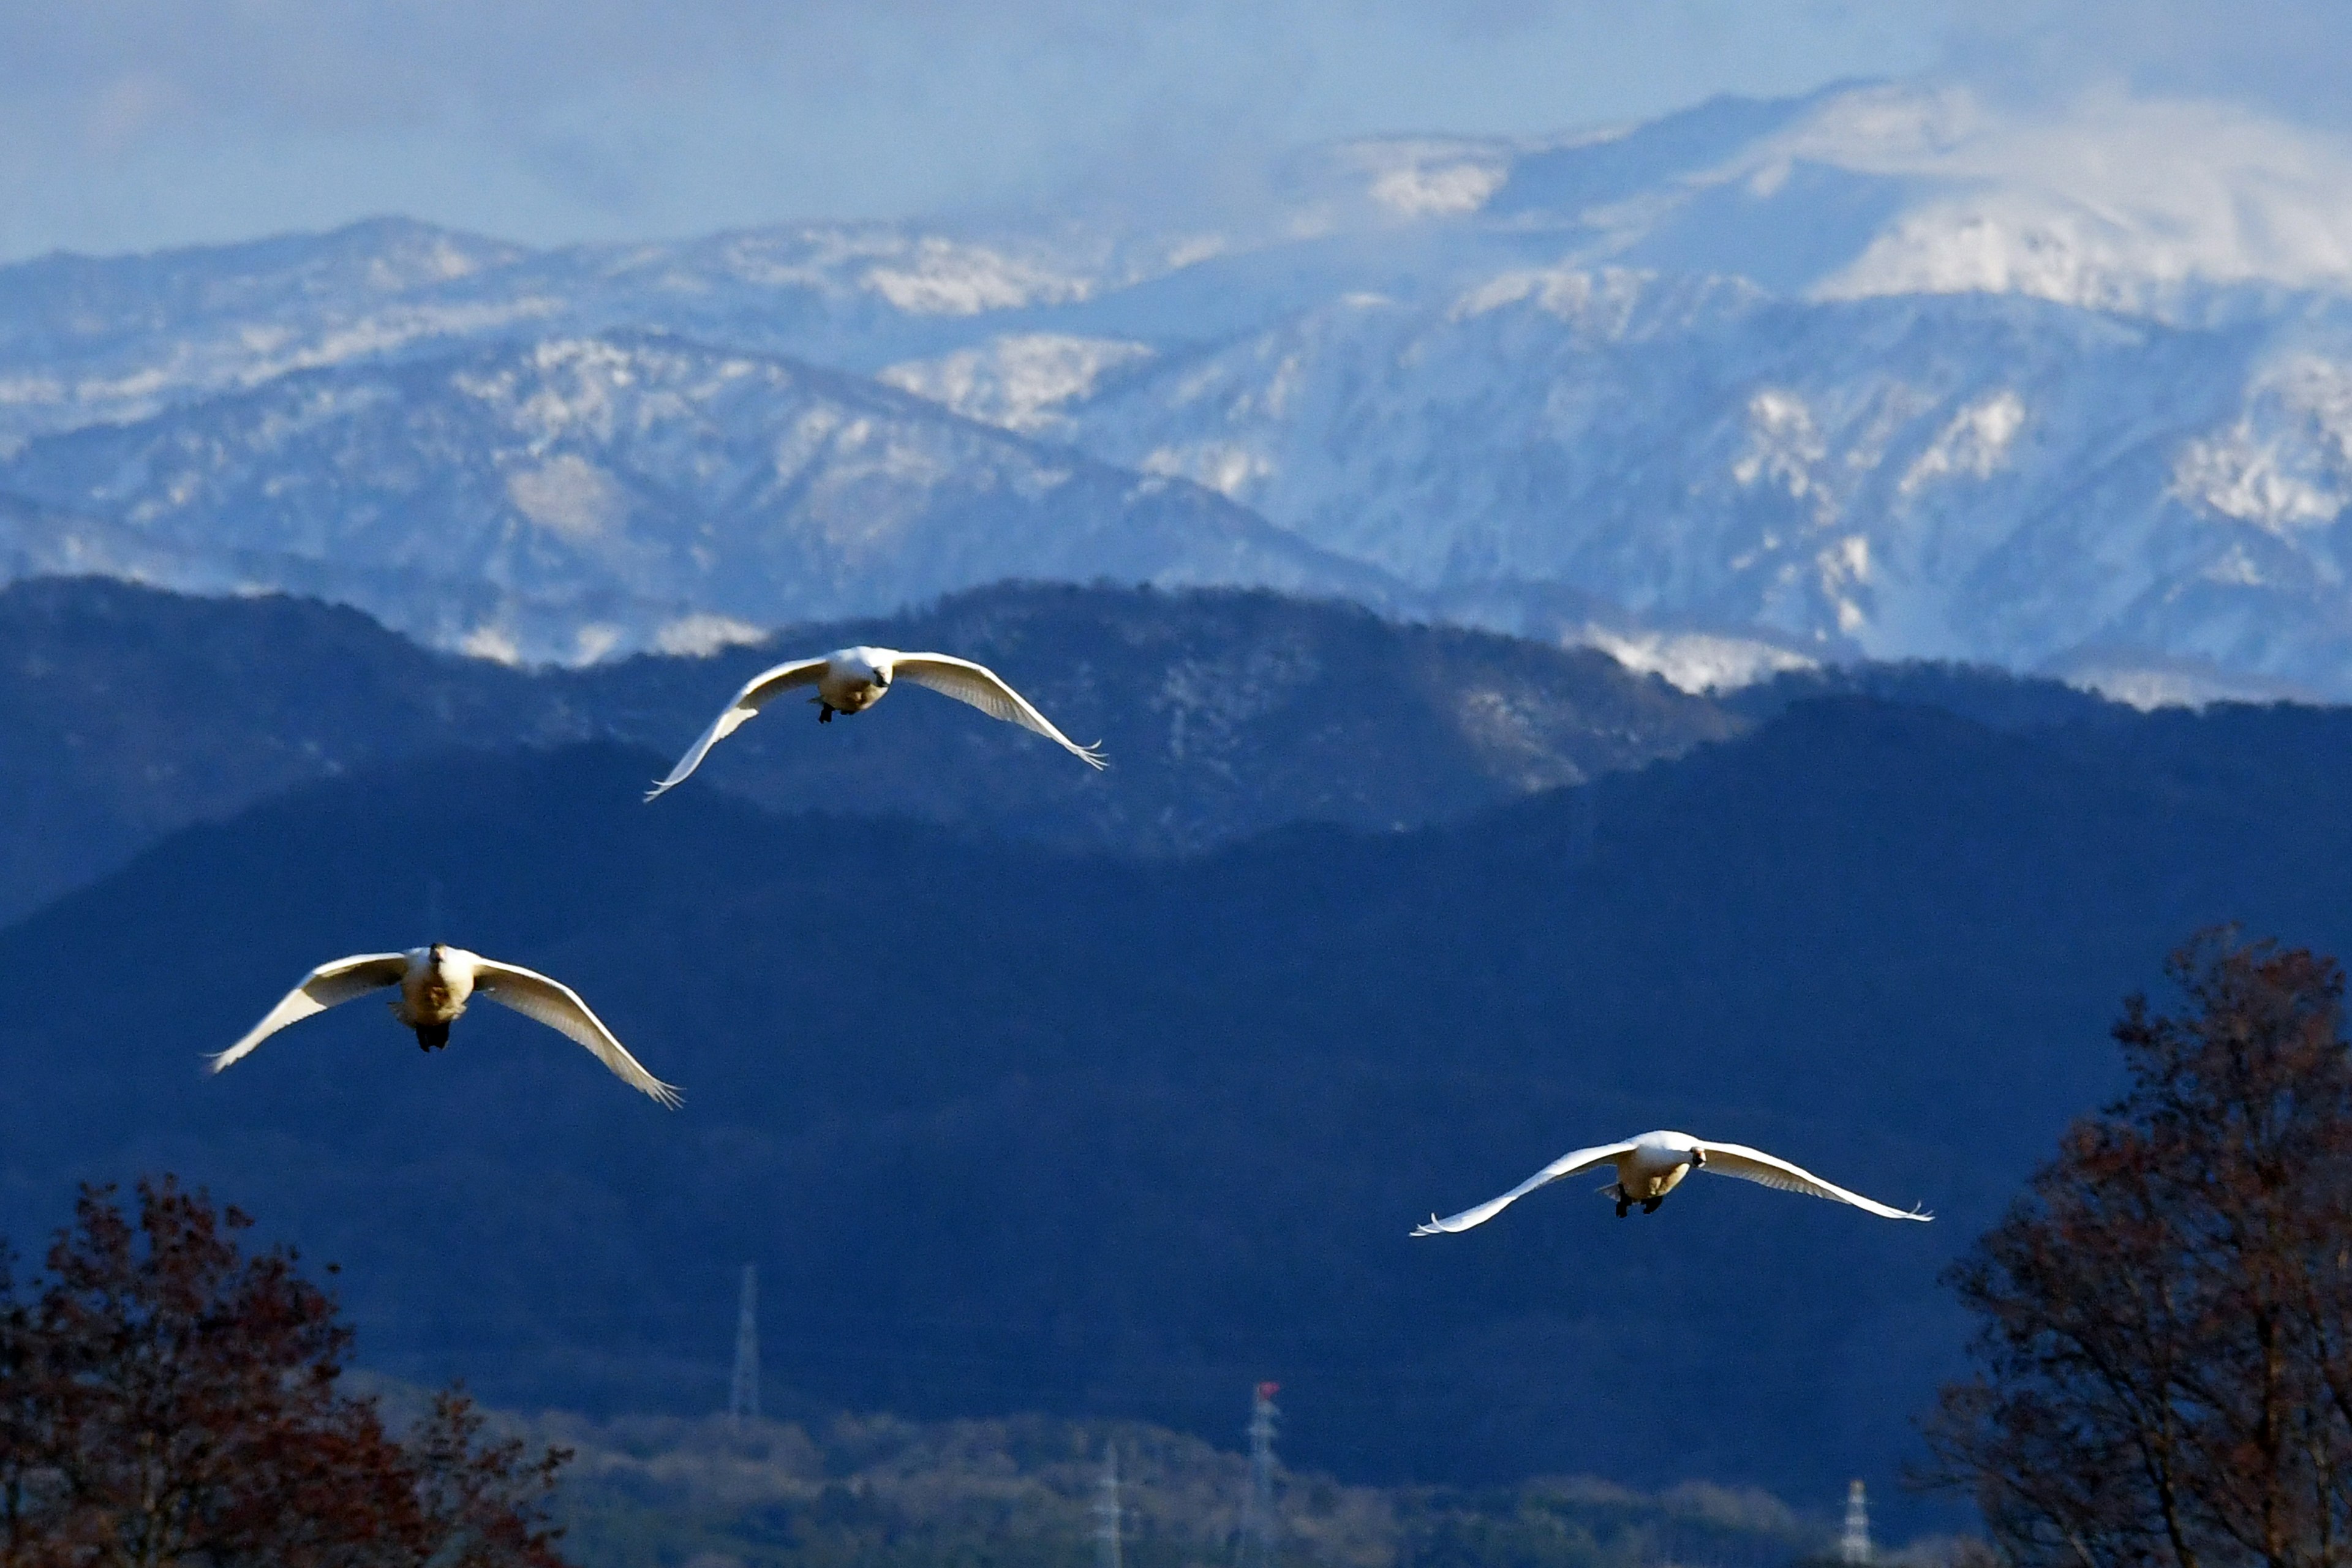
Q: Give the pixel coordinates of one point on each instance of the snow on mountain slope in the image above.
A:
(86, 340)
(1853, 191)
(1881, 370)
(574, 498)
(89, 340)
(2144, 207)
(2180, 209)
(1965, 475)
(44, 542)
(1021, 381)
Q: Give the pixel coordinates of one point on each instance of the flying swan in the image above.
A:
(1651, 1166)
(434, 984)
(855, 679)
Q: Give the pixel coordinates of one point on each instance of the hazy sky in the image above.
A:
(127, 124)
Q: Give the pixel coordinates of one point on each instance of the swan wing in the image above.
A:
(1568, 1164)
(1771, 1170)
(557, 1006)
(757, 693)
(323, 988)
(985, 690)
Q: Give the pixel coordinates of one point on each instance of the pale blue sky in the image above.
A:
(129, 124)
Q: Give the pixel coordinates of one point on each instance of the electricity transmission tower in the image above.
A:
(1853, 1546)
(1256, 1547)
(743, 1391)
(1108, 1513)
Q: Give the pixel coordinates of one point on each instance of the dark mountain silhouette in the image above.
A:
(1012, 1128)
(1225, 713)
(126, 712)
(1995, 697)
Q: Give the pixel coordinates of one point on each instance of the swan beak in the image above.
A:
(1699, 1158)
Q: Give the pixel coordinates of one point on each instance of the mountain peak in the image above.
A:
(1889, 371)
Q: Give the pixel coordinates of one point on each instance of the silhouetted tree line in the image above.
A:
(2164, 1350)
(167, 1399)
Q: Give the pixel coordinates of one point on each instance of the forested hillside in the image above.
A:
(1011, 1127)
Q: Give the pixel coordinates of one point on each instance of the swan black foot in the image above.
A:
(1624, 1203)
(824, 712)
(431, 1037)
(1649, 1206)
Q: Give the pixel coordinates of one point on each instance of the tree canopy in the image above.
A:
(2164, 1352)
(168, 1398)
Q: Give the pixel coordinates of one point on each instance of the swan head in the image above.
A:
(864, 666)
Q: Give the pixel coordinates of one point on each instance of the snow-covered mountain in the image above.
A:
(1882, 371)
(571, 497)
(84, 340)
(1961, 475)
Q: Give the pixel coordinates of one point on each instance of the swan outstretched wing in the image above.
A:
(1568, 1164)
(1755, 1165)
(757, 693)
(557, 1006)
(985, 690)
(323, 988)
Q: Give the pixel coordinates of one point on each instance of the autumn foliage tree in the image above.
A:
(2163, 1354)
(166, 1398)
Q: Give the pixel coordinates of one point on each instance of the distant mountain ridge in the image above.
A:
(568, 499)
(127, 714)
(1881, 372)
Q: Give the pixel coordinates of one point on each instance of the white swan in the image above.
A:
(434, 984)
(1651, 1166)
(855, 679)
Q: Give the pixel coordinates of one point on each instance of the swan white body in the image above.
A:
(855, 679)
(435, 985)
(1651, 1166)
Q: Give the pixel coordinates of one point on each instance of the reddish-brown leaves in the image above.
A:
(166, 1399)
(2164, 1339)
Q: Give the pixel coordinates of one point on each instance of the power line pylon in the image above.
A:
(1108, 1515)
(1854, 1545)
(1256, 1546)
(743, 1391)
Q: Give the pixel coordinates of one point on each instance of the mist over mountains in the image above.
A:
(1884, 372)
